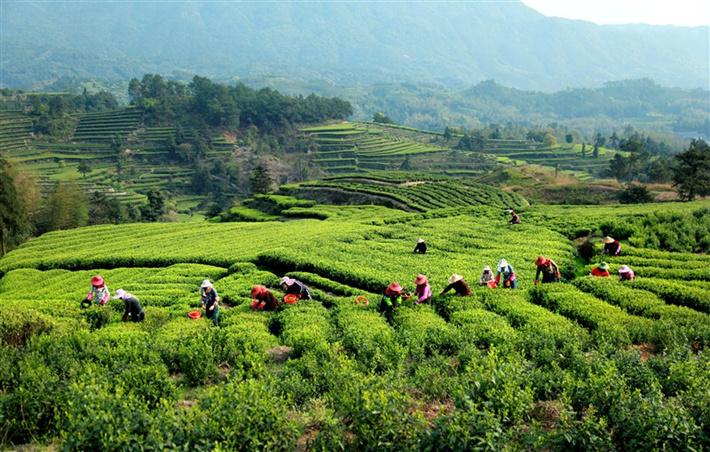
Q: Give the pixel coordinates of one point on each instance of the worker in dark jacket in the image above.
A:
(295, 287)
(457, 283)
(612, 247)
(263, 299)
(514, 218)
(549, 270)
(420, 247)
(210, 301)
(132, 308)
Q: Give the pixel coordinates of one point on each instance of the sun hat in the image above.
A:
(455, 278)
(97, 281)
(604, 266)
(206, 283)
(502, 263)
(288, 281)
(624, 269)
(120, 293)
(541, 260)
(421, 279)
(487, 268)
(608, 239)
(420, 240)
(394, 287)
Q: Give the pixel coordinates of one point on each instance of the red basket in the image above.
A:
(194, 315)
(291, 299)
(492, 284)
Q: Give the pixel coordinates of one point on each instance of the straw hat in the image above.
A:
(604, 266)
(502, 263)
(455, 278)
(421, 279)
(394, 288)
(97, 281)
(608, 239)
(487, 268)
(624, 269)
(420, 240)
(121, 294)
(206, 283)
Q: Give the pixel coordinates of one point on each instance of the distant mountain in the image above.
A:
(455, 44)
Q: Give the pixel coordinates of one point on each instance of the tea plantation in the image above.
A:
(588, 363)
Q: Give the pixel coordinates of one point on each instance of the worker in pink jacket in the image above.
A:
(98, 293)
(422, 293)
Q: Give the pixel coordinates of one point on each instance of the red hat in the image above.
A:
(97, 281)
(258, 290)
(394, 288)
(421, 279)
(541, 260)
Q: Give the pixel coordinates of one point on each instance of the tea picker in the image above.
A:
(420, 247)
(210, 301)
(98, 293)
(457, 283)
(132, 307)
(292, 286)
(548, 269)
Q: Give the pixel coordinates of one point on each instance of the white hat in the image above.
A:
(486, 268)
(502, 263)
(420, 240)
(206, 283)
(288, 281)
(122, 294)
(455, 278)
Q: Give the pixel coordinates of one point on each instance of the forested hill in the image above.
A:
(457, 43)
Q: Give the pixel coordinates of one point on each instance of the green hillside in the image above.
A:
(587, 362)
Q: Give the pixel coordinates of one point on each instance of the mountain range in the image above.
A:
(456, 44)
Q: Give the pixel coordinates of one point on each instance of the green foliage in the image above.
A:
(635, 194)
(691, 176)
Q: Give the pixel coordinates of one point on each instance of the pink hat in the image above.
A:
(97, 281)
(394, 288)
(624, 269)
(421, 279)
(288, 281)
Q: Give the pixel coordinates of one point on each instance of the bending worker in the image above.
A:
(601, 270)
(295, 287)
(457, 283)
(132, 307)
(612, 247)
(549, 269)
(263, 299)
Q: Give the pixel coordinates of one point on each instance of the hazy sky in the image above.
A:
(660, 12)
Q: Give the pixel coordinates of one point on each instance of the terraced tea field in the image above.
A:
(588, 363)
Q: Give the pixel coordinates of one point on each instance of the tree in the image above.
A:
(105, 209)
(381, 118)
(260, 180)
(83, 168)
(549, 139)
(406, 165)
(614, 140)
(66, 208)
(569, 138)
(13, 217)
(584, 150)
(691, 175)
(595, 151)
(155, 207)
(635, 194)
